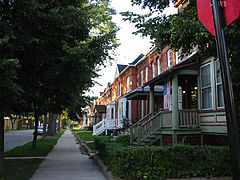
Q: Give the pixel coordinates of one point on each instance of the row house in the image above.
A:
(170, 98)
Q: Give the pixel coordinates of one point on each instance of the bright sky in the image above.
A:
(131, 46)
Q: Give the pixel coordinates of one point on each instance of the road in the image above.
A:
(16, 138)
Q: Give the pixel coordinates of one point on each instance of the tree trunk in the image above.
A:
(1, 143)
(44, 127)
(54, 123)
(59, 121)
(34, 142)
(50, 125)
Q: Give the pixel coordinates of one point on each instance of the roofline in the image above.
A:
(169, 71)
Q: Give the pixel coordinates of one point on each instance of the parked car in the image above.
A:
(40, 130)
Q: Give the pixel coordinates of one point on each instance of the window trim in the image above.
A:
(158, 66)
(146, 74)
(128, 84)
(169, 52)
(211, 108)
(142, 78)
(153, 70)
(217, 84)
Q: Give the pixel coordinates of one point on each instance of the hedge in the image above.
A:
(178, 161)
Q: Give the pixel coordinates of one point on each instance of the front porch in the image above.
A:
(151, 129)
(177, 117)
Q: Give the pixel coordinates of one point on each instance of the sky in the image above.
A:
(131, 46)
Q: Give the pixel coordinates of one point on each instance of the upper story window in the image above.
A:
(141, 77)
(178, 56)
(206, 88)
(146, 74)
(170, 58)
(128, 83)
(153, 70)
(158, 66)
(219, 87)
(113, 94)
(119, 89)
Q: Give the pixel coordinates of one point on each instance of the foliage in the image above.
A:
(21, 168)
(179, 161)
(58, 46)
(184, 31)
(124, 139)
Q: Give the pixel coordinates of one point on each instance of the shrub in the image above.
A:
(178, 161)
(124, 139)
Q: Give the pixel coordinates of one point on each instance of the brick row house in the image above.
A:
(166, 98)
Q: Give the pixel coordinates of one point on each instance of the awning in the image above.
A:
(100, 109)
(141, 93)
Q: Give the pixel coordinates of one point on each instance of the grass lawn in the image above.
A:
(43, 147)
(85, 135)
(91, 146)
(20, 169)
(23, 169)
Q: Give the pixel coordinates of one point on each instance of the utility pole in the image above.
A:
(227, 88)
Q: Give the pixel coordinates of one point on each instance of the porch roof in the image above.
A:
(141, 93)
(160, 79)
(100, 109)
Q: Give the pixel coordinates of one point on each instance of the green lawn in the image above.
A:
(19, 169)
(85, 135)
(43, 147)
(23, 169)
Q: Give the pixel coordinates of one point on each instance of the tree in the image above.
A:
(58, 45)
(184, 30)
(9, 91)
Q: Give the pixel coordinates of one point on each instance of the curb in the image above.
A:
(92, 155)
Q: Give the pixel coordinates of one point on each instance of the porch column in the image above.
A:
(175, 116)
(151, 100)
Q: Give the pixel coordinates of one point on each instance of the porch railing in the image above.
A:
(188, 118)
(140, 122)
(105, 124)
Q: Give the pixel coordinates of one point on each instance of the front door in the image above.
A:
(188, 85)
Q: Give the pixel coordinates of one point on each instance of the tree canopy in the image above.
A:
(184, 30)
(58, 45)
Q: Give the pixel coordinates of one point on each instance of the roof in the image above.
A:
(100, 108)
(137, 59)
(121, 67)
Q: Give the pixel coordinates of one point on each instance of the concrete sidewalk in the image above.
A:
(65, 162)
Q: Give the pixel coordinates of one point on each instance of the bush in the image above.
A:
(179, 161)
(124, 139)
(100, 143)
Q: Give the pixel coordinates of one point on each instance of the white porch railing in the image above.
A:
(104, 125)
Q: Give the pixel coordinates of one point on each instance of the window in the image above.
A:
(146, 75)
(119, 89)
(158, 66)
(128, 83)
(141, 77)
(178, 56)
(206, 87)
(219, 87)
(113, 95)
(169, 53)
(153, 69)
(112, 113)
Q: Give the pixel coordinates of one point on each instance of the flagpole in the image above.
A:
(227, 89)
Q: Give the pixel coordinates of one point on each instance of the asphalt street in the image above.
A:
(16, 138)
